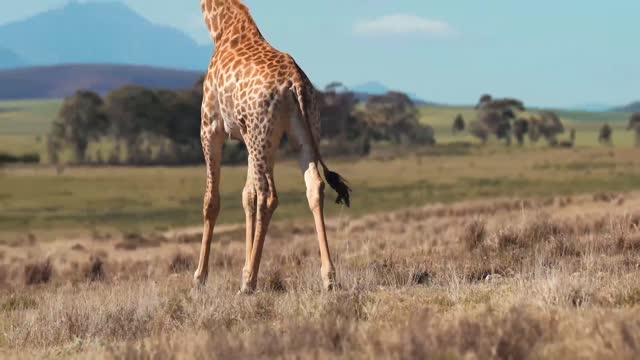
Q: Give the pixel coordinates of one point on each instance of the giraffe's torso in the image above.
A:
(249, 81)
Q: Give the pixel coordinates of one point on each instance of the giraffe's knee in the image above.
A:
(267, 201)
(272, 202)
(249, 199)
(315, 194)
(211, 206)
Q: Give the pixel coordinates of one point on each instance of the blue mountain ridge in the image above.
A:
(9, 59)
(101, 32)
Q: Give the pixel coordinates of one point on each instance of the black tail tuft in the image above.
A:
(339, 184)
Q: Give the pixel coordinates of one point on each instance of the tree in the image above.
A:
(484, 99)
(115, 155)
(520, 129)
(534, 129)
(496, 116)
(634, 124)
(394, 117)
(458, 124)
(53, 153)
(334, 87)
(479, 130)
(135, 111)
(549, 126)
(545, 124)
(81, 119)
(337, 107)
(181, 117)
(487, 102)
(604, 137)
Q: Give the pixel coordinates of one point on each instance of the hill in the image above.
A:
(592, 107)
(54, 82)
(101, 32)
(633, 107)
(9, 59)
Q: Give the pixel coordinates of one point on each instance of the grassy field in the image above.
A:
(27, 118)
(496, 279)
(38, 200)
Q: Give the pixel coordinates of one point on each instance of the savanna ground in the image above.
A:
(506, 279)
(452, 252)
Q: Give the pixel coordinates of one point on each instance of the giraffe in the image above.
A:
(257, 94)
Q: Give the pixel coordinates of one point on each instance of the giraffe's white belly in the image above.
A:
(229, 122)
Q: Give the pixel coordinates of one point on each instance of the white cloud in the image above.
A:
(402, 24)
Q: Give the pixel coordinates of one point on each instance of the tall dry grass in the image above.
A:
(503, 279)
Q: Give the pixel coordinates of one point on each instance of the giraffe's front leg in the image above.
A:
(212, 143)
(266, 204)
(249, 203)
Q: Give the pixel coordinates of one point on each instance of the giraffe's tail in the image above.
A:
(335, 180)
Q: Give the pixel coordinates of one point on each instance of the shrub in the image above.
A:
(94, 271)
(38, 272)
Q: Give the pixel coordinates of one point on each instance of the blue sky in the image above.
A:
(548, 52)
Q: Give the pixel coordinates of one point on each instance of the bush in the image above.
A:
(94, 271)
(32, 158)
(38, 273)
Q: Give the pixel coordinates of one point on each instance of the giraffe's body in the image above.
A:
(256, 94)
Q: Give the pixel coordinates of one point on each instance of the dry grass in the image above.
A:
(501, 279)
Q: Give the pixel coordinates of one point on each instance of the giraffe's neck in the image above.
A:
(227, 20)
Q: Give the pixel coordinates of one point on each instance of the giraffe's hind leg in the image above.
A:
(249, 200)
(315, 195)
(262, 155)
(212, 143)
(266, 204)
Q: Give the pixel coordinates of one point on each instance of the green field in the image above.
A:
(27, 118)
(142, 199)
(23, 125)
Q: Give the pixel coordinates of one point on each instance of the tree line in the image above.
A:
(139, 126)
(505, 119)
(143, 126)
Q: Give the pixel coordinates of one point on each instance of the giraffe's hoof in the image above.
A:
(331, 286)
(199, 279)
(246, 291)
(329, 280)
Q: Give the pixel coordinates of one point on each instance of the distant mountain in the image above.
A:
(9, 59)
(594, 107)
(633, 107)
(63, 80)
(101, 32)
(371, 88)
(363, 91)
